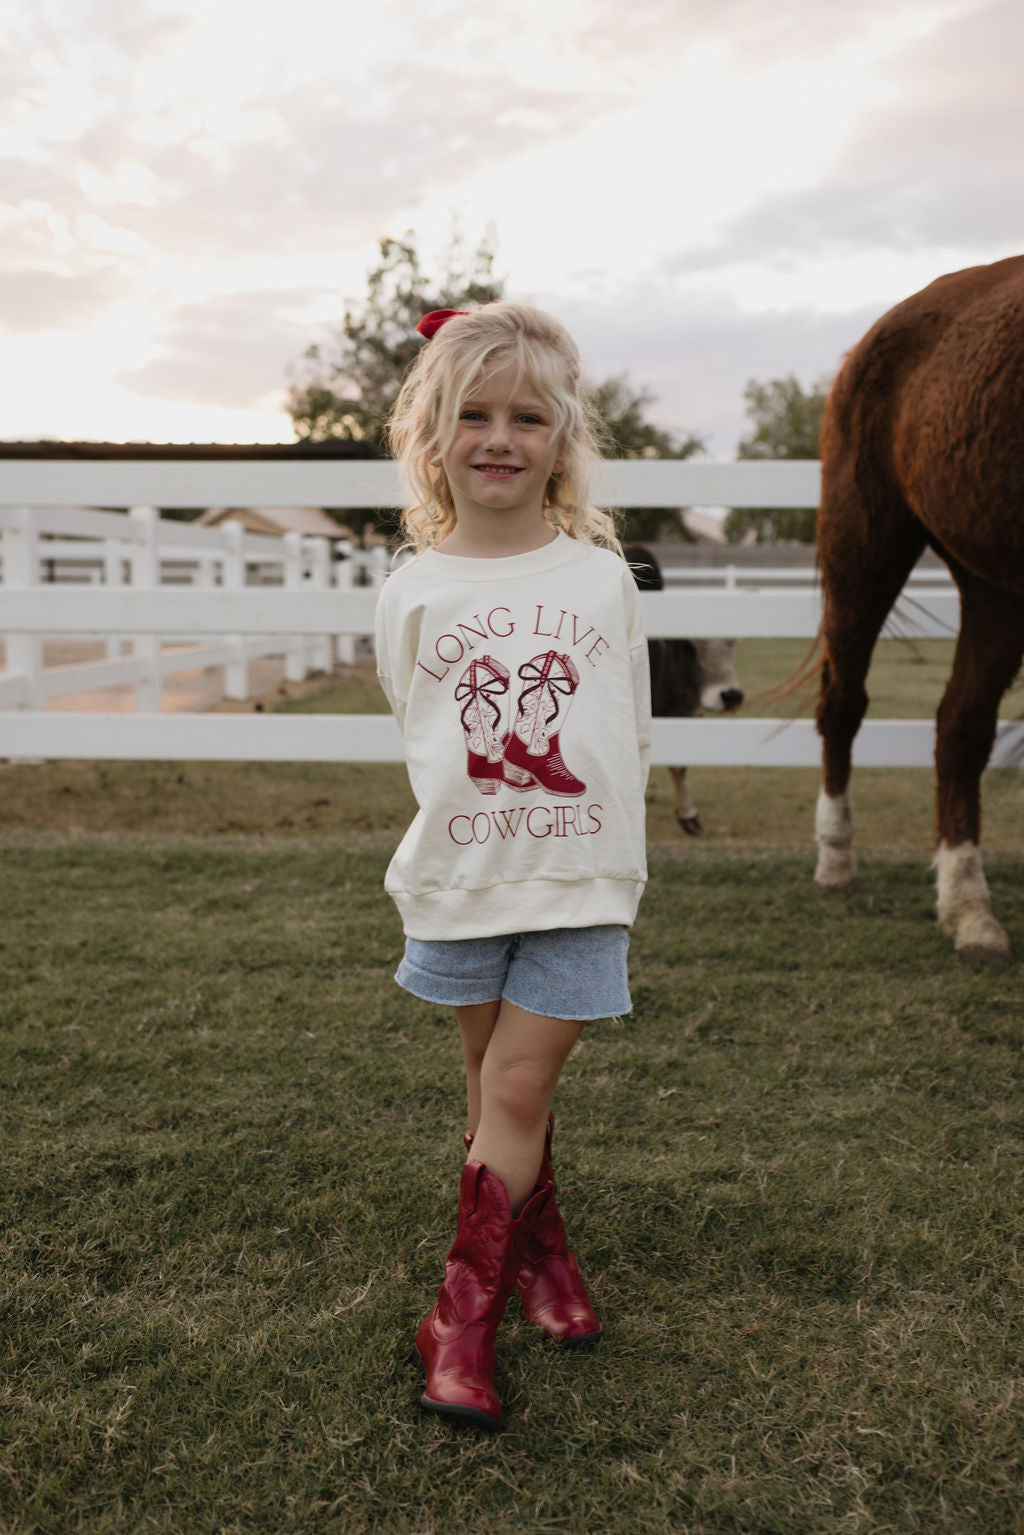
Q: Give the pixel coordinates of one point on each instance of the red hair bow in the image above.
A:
(435, 319)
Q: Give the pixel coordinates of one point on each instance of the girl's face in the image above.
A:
(505, 448)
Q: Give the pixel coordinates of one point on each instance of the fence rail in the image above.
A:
(752, 613)
(931, 577)
(197, 484)
(375, 738)
(315, 609)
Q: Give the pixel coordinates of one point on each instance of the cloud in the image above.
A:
(299, 146)
(696, 352)
(35, 300)
(940, 165)
(232, 350)
(704, 381)
(335, 171)
(285, 157)
(749, 30)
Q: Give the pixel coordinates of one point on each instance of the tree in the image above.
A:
(351, 393)
(787, 425)
(628, 434)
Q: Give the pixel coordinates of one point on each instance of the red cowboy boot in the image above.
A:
(551, 1289)
(483, 681)
(455, 1342)
(550, 1284)
(532, 754)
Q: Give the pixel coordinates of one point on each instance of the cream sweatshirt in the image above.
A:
(522, 690)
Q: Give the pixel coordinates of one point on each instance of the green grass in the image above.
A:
(906, 680)
(794, 1176)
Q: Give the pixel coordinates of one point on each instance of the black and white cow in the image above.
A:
(688, 677)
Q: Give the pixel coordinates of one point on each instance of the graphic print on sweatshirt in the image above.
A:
(521, 749)
(513, 688)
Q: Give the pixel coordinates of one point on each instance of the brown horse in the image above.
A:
(923, 443)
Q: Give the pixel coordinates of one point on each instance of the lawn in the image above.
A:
(793, 1177)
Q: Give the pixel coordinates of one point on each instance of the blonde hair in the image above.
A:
(447, 369)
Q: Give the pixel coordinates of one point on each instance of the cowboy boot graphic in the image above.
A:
(532, 754)
(479, 689)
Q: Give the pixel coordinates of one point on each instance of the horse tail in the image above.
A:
(800, 687)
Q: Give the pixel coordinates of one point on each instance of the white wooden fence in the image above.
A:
(233, 615)
(58, 547)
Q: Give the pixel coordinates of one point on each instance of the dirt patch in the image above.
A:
(198, 690)
(280, 691)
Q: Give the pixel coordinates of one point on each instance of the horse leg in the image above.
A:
(686, 810)
(988, 655)
(863, 569)
(842, 701)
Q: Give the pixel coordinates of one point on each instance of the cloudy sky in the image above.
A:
(706, 191)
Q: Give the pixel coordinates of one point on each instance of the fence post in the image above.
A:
(111, 567)
(380, 564)
(377, 573)
(21, 570)
(145, 564)
(318, 563)
(236, 672)
(344, 580)
(295, 647)
(206, 566)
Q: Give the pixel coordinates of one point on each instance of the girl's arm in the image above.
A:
(382, 650)
(641, 674)
(642, 702)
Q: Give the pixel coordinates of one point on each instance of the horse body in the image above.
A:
(923, 443)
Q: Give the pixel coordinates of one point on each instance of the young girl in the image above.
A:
(512, 655)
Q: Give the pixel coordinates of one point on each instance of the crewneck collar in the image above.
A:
(459, 567)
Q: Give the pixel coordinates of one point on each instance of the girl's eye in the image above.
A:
(529, 419)
(471, 415)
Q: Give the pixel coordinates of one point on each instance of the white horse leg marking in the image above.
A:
(964, 908)
(833, 826)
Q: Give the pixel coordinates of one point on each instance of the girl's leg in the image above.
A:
(518, 1058)
(519, 1071)
(512, 1065)
(476, 1025)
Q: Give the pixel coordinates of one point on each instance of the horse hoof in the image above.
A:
(838, 887)
(987, 959)
(837, 868)
(691, 825)
(976, 934)
(981, 941)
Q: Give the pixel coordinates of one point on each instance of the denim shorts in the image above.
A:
(577, 973)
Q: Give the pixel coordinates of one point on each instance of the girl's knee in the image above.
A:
(519, 1090)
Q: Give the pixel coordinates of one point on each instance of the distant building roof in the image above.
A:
(336, 447)
(275, 519)
(704, 526)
